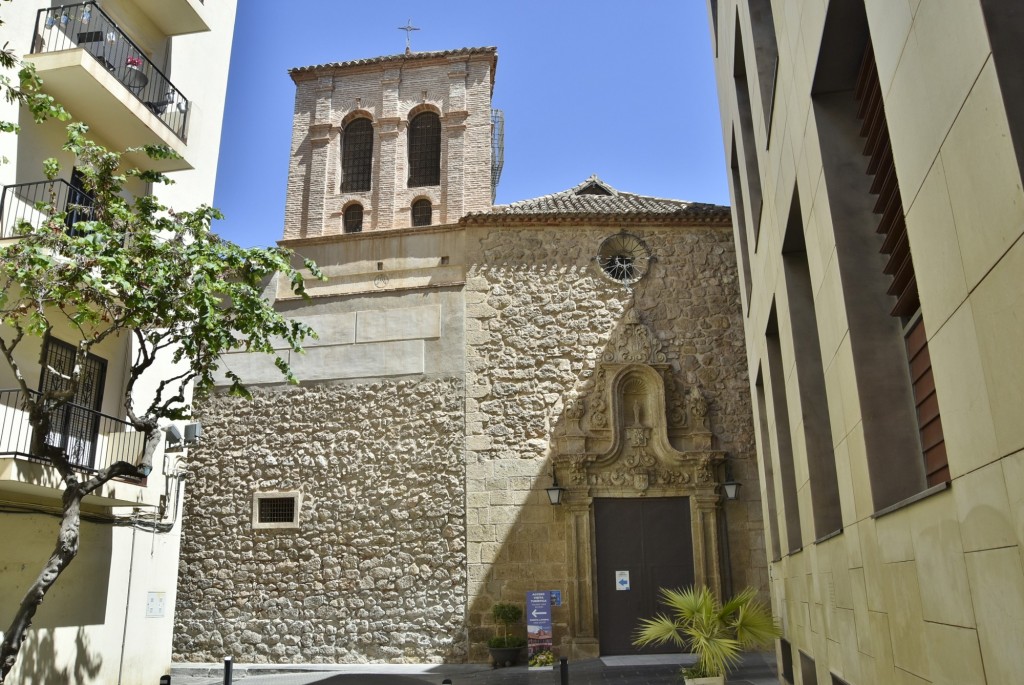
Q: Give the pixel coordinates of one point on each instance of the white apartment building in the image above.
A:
(137, 72)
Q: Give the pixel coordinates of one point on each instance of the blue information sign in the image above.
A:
(538, 622)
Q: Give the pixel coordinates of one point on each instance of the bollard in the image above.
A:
(563, 667)
(165, 680)
(227, 670)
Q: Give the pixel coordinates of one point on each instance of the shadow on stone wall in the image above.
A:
(541, 318)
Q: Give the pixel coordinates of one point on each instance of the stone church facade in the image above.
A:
(468, 355)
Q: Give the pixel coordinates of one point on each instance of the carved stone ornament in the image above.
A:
(637, 429)
(636, 344)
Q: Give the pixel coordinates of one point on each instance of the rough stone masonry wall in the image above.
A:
(539, 314)
(377, 569)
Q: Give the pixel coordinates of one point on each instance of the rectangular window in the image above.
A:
(766, 55)
(1005, 24)
(783, 434)
(767, 469)
(275, 510)
(74, 426)
(879, 290)
(810, 377)
(808, 671)
(900, 266)
(740, 228)
(786, 652)
(748, 152)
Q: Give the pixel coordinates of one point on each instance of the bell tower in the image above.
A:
(391, 142)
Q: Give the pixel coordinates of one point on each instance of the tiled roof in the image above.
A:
(596, 200)
(399, 57)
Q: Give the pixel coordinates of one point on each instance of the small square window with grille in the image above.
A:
(275, 510)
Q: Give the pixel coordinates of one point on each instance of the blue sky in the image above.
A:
(624, 90)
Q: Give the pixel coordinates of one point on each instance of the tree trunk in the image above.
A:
(63, 553)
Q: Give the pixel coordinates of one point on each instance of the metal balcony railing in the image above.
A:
(86, 26)
(32, 203)
(91, 440)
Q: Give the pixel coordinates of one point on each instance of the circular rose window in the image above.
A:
(624, 258)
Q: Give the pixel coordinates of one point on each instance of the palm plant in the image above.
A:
(716, 632)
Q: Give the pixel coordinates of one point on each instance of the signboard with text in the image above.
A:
(538, 623)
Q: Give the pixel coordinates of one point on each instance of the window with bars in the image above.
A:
(899, 265)
(425, 150)
(275, 510)
(356, 156)
(74, 426)
(353, 218)
(422, 213)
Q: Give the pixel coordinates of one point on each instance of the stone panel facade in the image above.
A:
(375, 570)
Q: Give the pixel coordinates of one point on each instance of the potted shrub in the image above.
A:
(505, 649)
(715, 632)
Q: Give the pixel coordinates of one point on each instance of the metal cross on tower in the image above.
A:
(408, 28)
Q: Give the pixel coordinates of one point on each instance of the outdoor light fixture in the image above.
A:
(731, 489)
(193, 431)
(173, 434)
(556, 491)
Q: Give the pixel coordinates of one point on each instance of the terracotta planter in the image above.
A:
(713, 680)
(505, 656)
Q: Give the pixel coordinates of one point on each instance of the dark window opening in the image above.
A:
(422, 213)
(810, 377)
(74, 426)
(766, 55)
(353, 218)
(783, 434)
(767, 467)
(808, 671)
(748, 151)
(741, 220)
(899, 266)
(276, 510)
(425, 150)
(79, 204)
(786, 666)
(356, 156)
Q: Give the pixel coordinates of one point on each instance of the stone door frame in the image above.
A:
(626, 453)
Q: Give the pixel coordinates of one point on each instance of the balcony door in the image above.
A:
(75, 425)
(79, 202)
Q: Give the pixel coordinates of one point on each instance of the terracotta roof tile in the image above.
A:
(395, 58)
(593, 198)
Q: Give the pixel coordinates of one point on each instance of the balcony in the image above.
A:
(30, 203)
(91, 441)
(104, 79)
(176, 17)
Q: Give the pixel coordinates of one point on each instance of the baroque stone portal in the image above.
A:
(635, 434)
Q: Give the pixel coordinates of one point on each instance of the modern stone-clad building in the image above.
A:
(876, 156)
(468, 355)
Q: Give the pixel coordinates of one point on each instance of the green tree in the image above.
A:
(135, 269)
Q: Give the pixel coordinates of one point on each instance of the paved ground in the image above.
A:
(757, 669)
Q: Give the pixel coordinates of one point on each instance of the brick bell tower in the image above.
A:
(392, 142)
